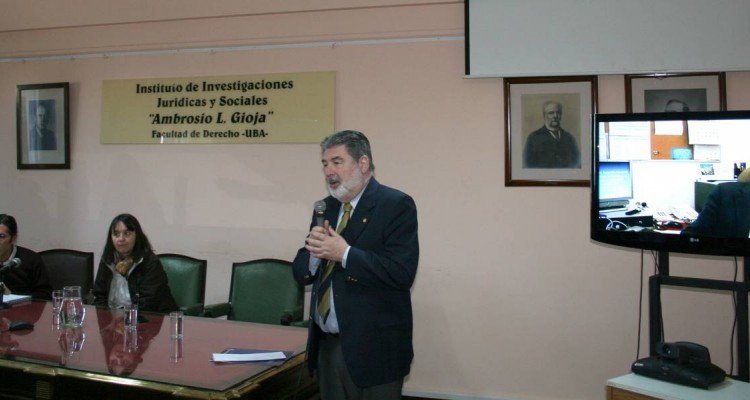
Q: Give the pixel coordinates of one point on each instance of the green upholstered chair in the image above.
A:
(262, 291)
(67, 267)
(187, 281)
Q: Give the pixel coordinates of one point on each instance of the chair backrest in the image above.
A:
(67, 267)
(187, 281)
(264, 291)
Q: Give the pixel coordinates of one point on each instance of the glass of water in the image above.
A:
(176, 321)
(131, 316)
(57, 298)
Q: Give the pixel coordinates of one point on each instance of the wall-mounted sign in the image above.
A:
(273, 108)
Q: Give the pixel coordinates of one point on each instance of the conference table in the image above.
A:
(104, 360)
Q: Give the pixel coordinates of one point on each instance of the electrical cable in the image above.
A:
(661, 315)
(640, 312)
(614, 225)
(734, 322)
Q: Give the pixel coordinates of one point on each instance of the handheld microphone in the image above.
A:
(320, 209)
(14, 263)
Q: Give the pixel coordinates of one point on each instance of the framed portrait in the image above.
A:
(675, 92)
(548, 130)
(42, 139)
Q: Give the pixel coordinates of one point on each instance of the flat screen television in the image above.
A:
(672, 181)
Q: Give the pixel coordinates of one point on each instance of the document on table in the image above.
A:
(248, 355)
(16, 298)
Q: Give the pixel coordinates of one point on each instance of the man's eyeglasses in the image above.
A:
(3, 236)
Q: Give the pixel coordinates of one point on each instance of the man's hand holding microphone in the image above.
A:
(323, 242)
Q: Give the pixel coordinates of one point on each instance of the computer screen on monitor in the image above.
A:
(671, 181)
(615, 181)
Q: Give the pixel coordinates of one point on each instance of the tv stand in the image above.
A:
(740, 289)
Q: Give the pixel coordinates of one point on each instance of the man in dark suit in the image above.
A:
(551, 146)
(726, 212)
(40, 136)
(30, 277)
(360, 339)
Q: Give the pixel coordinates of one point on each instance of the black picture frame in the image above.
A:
(525, 99)
(42, 125)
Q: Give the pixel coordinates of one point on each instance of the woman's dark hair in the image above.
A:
(142, 245)
(10, 222)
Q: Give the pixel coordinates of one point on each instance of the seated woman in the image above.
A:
(130, 272)
(30, 277)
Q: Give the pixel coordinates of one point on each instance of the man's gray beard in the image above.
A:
(339, 192)
(345, 188)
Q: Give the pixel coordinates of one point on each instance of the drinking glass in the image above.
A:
(72, 311)
(57, 298)
(131, 316)
(176, 321)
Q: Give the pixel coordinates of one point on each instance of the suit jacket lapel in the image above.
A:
(332, 212)
(363, 213)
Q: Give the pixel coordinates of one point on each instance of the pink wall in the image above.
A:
(512, 299)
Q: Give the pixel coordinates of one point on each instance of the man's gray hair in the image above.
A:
(356, 144)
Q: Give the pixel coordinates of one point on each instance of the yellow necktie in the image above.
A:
(324, 289)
